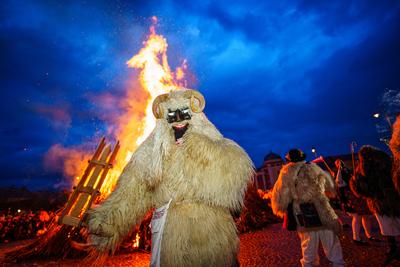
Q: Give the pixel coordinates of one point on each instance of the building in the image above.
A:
(268, 173)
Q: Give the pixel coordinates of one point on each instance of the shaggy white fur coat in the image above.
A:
(307, 185)
(206, 176)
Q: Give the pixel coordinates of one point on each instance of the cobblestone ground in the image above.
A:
(271, 246)
(274, 246)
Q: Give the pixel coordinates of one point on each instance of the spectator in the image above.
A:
(20, 225)
(373, 180)
(353, 204)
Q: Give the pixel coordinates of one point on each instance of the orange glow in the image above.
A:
(264, 194)
(136, 122)
(155, 78)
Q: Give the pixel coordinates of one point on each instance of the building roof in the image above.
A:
(271, 156)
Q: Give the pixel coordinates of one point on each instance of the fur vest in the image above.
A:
(304, 183)
(382, 198)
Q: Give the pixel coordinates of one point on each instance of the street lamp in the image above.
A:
(387, 118)
(314, 151)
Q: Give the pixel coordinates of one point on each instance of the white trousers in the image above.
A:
(390, 226)
(330, 243)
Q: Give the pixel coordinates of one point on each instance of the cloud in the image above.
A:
(58, 116)
(68, 160)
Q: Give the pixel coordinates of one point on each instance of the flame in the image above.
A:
(133, 126)
(136, 122)
(155, 78)
(135, 243)
(264, 194)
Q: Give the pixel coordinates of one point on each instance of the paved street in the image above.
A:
(277, 247)
(271, 246)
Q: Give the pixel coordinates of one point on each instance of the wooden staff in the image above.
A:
(352, 146)
(319, 159)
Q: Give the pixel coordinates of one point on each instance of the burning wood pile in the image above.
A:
(65, 228)
(131, 127)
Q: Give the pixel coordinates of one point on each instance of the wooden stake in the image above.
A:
(88, 188)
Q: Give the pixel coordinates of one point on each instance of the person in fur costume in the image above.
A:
(188, 164)
(374, 182)
(300, 183)
(394, 145)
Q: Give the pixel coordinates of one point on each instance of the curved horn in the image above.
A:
(197, 101)
(157, 111)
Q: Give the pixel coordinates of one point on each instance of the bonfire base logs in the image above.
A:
(58, 242)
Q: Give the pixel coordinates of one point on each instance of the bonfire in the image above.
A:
(131, 129)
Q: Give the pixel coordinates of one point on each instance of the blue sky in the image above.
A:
(275, 74)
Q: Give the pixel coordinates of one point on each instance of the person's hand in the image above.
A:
(100, 229)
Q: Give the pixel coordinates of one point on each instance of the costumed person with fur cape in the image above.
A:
(301, 187)
(193, 176)
(373, 181)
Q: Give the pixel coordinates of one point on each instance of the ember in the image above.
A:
(136, 241)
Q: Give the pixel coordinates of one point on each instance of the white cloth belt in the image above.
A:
(157, 229)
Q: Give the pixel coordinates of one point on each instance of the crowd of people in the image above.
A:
(20, 225)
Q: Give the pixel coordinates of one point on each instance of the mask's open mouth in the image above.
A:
(179, 130)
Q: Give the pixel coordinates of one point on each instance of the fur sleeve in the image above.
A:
(223, 168)
(281, 196)
(111, 221)
(395, 140)
(327, 180)
(395, 148)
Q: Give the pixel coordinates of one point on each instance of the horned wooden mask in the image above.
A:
(197, 102)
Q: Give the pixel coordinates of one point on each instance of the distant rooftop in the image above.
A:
(271, 156)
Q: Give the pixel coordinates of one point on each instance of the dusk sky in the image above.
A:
(275, 74)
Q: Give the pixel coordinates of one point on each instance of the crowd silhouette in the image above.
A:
(20, 225)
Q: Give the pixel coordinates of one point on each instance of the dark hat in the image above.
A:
(295, 155)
